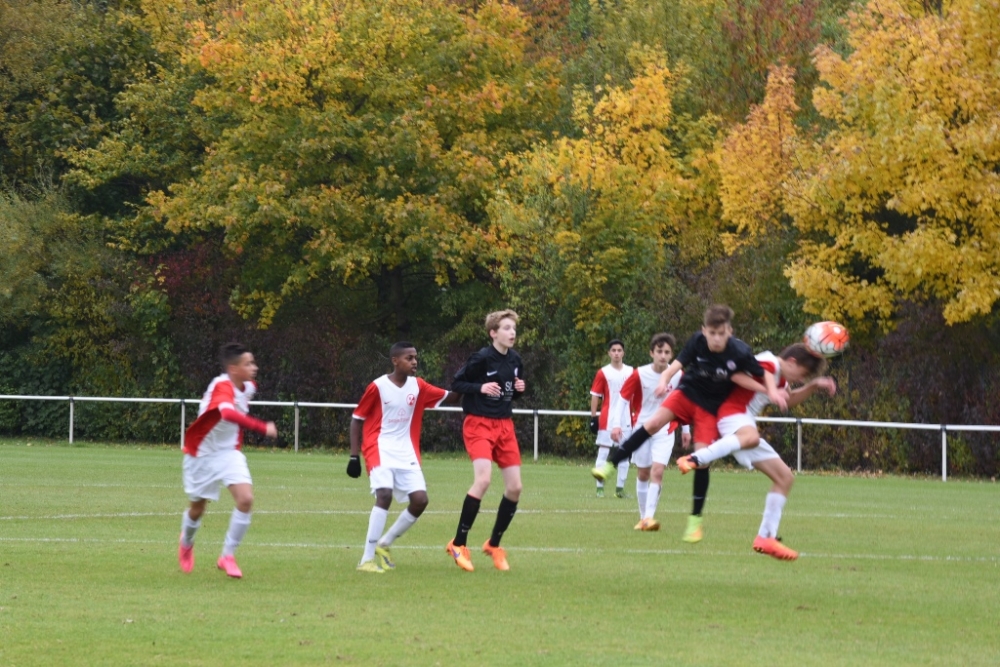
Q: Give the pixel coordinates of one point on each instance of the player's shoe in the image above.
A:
(228, 563)
(600, 492)
(693, 533)
(687, 463)
(384, 558)
(774, 548)
(185, 556)
(604, 472)
(498, 555)
(370, 566)
(619, 492)
(648, 525)
(461, 554)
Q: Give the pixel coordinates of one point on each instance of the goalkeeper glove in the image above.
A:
(354, 467)
(594, 425)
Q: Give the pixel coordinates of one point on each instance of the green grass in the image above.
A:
(893, 571)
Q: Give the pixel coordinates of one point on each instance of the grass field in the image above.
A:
(893, 571)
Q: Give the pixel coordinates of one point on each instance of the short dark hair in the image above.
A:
(397, 348)
(803, 357)
(717, 315)
(230, 353)
(662, 338)
(615, 341)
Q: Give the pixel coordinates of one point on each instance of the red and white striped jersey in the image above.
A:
(210, 432)
(640, 389)
(607, 386)
(756, 401)
(393, 417)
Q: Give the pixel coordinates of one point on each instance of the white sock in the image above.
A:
(402, 525)
(641, 489)
(376, 524)
(719, 449)
(622, 473)
(773, 505)
(238, 524)
(188, 529)
(602, 458)
(652, 500)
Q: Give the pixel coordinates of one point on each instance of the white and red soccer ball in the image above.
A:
(826, 339)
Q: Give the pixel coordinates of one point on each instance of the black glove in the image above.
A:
(594, 425)
(354, 467)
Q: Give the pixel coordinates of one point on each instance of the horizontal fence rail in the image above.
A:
(297, 405)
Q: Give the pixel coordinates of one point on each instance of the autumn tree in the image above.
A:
(897, 200)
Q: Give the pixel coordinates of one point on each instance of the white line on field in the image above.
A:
(125, 515)
(694, 551)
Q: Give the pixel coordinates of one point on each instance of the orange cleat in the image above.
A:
(773, 548)
(498, 555)
(461, 554)
(686, 464)
(648, 525)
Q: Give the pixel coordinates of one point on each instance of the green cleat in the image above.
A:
(600, 492)
(693, 533)
(384, 558)
(619, 492)
(604, 472)
(370, 566)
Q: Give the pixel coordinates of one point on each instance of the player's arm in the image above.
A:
(800, 394)
(749, 382)
(453, 398)
(354, 463)
(470, 378)
(222, 398)
(665, 376)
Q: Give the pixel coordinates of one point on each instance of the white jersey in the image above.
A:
(393, 417)
(759, 400)
(210, 433)
(607, 386)
(640, 389)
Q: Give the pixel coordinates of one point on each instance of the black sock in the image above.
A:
(505, 513)
(700, 490)
(634, 442)
(470, 508)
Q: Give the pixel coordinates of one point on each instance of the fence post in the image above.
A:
(183, 423)
(944, 453)
(536, 434)
(296, 425)
(798, 447)
(71, 420)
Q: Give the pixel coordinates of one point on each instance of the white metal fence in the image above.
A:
(296, 405)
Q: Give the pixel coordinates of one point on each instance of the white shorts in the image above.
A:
(643, 457)
(662, 446)
(604, 437)
(762, 452)
(731, 424)
(204, 475)
(402, 481)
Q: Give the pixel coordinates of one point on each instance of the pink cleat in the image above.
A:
(185, 556)
(228, 563)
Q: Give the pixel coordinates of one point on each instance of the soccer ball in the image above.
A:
(826, 339)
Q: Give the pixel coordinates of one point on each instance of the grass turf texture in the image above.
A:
(893, 571)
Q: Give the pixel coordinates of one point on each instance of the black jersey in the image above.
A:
(488, 365)
(707, 378)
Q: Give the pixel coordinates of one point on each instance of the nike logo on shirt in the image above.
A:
(488, 373)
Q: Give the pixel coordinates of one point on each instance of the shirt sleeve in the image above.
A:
(367, 403)
(245, 421)
(599, 387)
(469, 378)
(430, 396)
(690, 351)
(223, 397)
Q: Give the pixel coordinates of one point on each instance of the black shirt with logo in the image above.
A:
(707, 378)
(489, 365)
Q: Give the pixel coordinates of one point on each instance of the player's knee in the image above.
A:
(383, 498)
(749, 439)
(418, 503)
(642, 474)
(513, 490)
(245, 503)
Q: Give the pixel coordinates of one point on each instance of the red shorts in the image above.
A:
(493, 439)
(704, 425)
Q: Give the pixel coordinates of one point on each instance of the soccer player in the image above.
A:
(712, 361)
(738, 427)
(654, 454)
(606, 392)
(391, 412)
(212, 455)
(489, 381)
